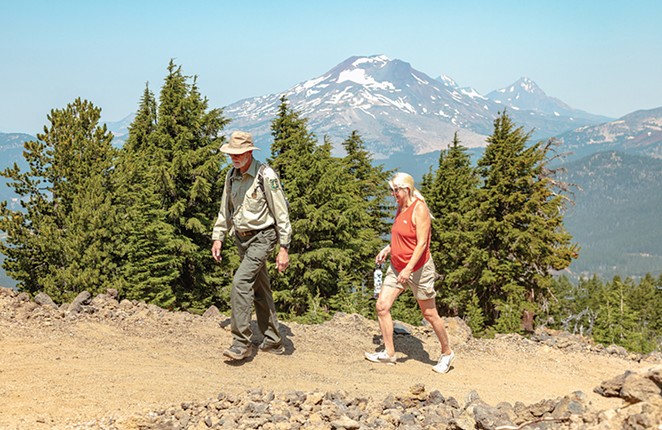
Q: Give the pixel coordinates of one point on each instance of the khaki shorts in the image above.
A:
(421, 281)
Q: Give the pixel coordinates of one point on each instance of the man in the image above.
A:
(254, 207)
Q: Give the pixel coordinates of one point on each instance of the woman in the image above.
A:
(411, 266)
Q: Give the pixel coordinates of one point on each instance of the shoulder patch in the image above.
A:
(273, 183)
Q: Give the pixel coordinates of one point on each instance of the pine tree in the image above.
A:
(143, 125)
(474, 316)
(370, 211)
(369, 182)
(644, 299)
(294, 158)
(583, 304)
(335, 227)
(519, 224)
(560, 303)
(62, 242)
(616, 322)
(617, 312)
(149, 252)
(173, 152)
(449, 192)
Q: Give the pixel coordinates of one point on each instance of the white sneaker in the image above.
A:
(444, 364)
(380, 357)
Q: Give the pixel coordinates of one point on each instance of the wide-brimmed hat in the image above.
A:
(240, 142)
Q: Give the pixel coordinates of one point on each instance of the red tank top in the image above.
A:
(403, 240)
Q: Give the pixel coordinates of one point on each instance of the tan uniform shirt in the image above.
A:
(248, 209)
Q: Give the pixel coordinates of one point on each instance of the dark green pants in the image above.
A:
(250, 286)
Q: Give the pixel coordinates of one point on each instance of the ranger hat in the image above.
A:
(240, 142)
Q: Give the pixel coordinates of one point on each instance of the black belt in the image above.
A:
(250, 233)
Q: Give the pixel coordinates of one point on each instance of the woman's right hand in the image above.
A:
(381, 257)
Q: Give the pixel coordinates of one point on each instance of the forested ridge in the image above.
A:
(619, 214)
(138, 219)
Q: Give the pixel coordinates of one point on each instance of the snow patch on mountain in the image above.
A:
(472, 93)
(396, 107)
(360, 77)
(447, 81)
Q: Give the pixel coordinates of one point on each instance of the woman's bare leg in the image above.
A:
(383, 307)
(429, 309)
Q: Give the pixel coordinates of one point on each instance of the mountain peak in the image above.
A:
(513, 91)
(527, 85)
(378, 59)
(526, 95)
(368, 62)
(447, 81)
(398, 108)
(375, 72)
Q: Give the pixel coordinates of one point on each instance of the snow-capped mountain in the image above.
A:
(639, 132)
(395, 107)
(526, 95)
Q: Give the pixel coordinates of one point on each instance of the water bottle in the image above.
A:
(377, 280)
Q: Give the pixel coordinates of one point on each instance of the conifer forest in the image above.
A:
(138, 219)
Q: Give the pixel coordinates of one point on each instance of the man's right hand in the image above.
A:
(216, 250)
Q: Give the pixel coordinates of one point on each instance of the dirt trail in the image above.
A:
(59, 370)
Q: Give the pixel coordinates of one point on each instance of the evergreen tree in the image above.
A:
(174, 159)
(560, 302)
(367, 185)
(581, 306)
(143, 125)
(294, 158)
(62, 241)
(519, 225)
(616, 322)
(449, 192)
(618, 312)
(645, 301)
(370, 182)
(474, 316)
(335, 233)
(149, 252)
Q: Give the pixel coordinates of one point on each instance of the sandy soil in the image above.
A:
(58, 371)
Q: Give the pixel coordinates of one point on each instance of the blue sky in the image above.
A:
(603, 57)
